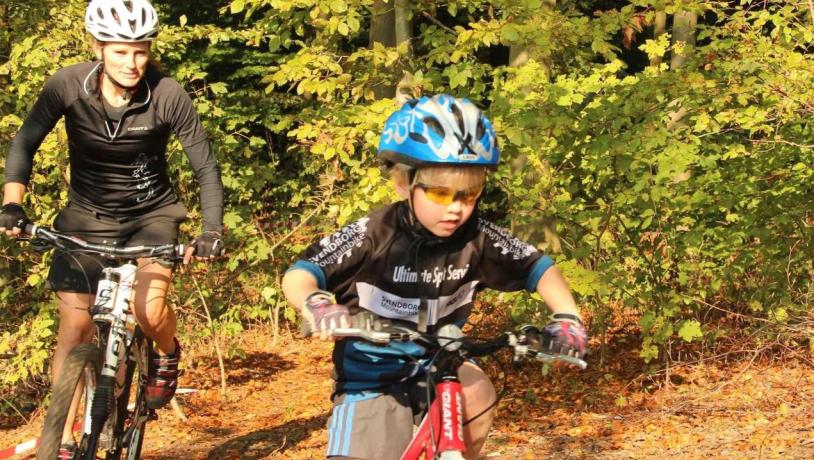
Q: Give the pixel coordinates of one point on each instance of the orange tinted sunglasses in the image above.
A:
(445, 195)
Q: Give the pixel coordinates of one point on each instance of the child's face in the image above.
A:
(444, 198)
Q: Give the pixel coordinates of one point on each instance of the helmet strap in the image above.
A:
(412, 179)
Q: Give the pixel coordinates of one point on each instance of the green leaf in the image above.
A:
(690, 330)
(237, 6)
(33, 279)
(338, 6)
(232, 220)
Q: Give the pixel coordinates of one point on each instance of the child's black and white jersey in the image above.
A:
(382, 265)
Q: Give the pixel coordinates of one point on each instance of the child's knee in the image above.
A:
(477, 387)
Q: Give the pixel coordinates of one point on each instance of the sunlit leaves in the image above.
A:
(656, 216)
(690, 330)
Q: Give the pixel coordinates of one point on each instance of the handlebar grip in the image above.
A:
(580, 363)
(370, 336)
(30, 229)
(547, 358)
(305, 328)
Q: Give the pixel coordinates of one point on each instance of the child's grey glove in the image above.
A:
(565, 335)
(322, 314)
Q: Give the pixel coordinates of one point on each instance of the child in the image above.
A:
(419, 263)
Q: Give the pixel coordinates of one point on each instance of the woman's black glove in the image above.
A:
(209, 244)
(13, 216)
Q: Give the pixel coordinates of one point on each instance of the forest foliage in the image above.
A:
(669, 172)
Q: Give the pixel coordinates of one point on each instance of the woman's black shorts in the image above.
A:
(76, 272)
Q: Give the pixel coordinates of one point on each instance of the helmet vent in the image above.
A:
(459, 117)
(433, 124)
(418, 138)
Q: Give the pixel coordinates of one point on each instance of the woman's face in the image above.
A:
(124, 62)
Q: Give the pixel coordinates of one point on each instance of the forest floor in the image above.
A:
(276, 407)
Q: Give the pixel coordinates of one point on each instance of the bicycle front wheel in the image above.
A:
(77, 379)
(134, 436)
(132, 417)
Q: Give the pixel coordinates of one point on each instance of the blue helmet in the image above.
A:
(439, 130)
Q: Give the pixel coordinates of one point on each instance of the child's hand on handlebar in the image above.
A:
(322, 314)
(566, 335)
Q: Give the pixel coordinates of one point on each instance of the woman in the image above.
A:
(119, 112)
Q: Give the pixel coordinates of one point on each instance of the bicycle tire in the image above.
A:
(129, 438)
(120, 413)
(83, 357)
(136, 438)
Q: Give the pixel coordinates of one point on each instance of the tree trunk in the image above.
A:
(540, 232)
(684, 23)
(520, 54)
(390, 26)
(659, 27)
(382, 23)
(403, 26)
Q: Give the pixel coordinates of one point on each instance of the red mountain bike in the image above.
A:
(440, 434)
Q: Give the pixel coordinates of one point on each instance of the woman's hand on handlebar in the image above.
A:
(13, 219)
(206, 247)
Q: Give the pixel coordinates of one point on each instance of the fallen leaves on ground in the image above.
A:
(277, 405)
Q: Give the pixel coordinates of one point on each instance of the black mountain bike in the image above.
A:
(97, 379)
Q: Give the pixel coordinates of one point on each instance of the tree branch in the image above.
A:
(438, 23)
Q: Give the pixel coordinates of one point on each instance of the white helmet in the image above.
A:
(121, 20)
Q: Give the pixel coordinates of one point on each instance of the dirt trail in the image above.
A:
(277, 407)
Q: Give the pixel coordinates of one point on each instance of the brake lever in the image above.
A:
(38, 244)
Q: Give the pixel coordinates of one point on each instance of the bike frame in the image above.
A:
(111, 313)
(442, 426)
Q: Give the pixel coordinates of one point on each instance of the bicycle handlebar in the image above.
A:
(452, 339)
(51, 237)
